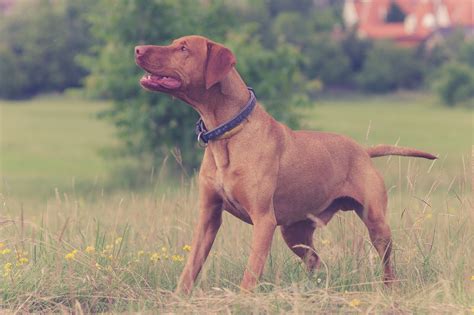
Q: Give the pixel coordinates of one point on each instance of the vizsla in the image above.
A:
(263, 172)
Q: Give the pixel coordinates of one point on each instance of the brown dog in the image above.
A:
(265, 173)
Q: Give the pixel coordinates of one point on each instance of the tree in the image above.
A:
(40, 40)
(389, 67)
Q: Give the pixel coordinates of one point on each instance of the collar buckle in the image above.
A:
(201, 142)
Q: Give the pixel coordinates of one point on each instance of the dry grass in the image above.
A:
(138, 241)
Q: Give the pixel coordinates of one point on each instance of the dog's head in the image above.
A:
(190, 62)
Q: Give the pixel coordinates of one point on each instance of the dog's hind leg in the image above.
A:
(373, 216)
(299, 238)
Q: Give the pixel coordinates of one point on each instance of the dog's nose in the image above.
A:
(140, 51)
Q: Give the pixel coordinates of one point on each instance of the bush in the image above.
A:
(389, 67)
(455, 83)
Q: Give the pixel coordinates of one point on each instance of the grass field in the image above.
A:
(52, 142)
(120, 250)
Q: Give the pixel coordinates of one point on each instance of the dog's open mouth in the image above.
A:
(155, 81)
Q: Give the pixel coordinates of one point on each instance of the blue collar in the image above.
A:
(204, 136)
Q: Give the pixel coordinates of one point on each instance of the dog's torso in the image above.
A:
(302, 171)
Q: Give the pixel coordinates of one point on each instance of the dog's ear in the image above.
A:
(220, 61)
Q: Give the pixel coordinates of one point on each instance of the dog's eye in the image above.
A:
(183, 48)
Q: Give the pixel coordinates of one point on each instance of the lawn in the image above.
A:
(52, 142)
(123, 250)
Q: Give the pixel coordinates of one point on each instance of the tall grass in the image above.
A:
(88, 248)
(124, 252)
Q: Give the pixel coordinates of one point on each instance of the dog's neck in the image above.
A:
(223, 101)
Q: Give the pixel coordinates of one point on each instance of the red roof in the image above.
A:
(461, 11)
(422, 17)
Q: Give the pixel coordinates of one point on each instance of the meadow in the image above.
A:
(74, 238)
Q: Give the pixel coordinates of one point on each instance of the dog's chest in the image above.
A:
(231, 202)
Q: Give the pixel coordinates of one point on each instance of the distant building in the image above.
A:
(408, 22)
(5, 5)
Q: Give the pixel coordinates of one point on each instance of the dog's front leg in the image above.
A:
(210, 219)
(263, 230)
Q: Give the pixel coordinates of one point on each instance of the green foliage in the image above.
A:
(40, 40)
(273, 73)
(356, 50)
(466, 53)
(455, 83)
(302, 7)
(326, 60)
(447, 48)
(290, 27)
(389, 67)
(451, 69)
(150, 124)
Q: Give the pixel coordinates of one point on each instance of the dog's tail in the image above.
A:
(384, 149)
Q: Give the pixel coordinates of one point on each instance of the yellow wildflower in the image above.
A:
(8, 266)
(155, 257)
(354, 303)
(2, 245)
(98, 266)
(118, 240)
(7, 269)
(164, 249)
(107, 250)
(325, 242)
(71, 255)
(177, 258)
(472, 278)
(140, 253)
(187, 248)
(90, 249)
(22, 261)
(5, 251)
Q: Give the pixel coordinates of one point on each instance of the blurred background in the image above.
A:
(74, 118)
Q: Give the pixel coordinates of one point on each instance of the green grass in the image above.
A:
(52, 142)
(430, 206)
(410, 119)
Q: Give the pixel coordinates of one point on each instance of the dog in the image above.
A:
(258, 169)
